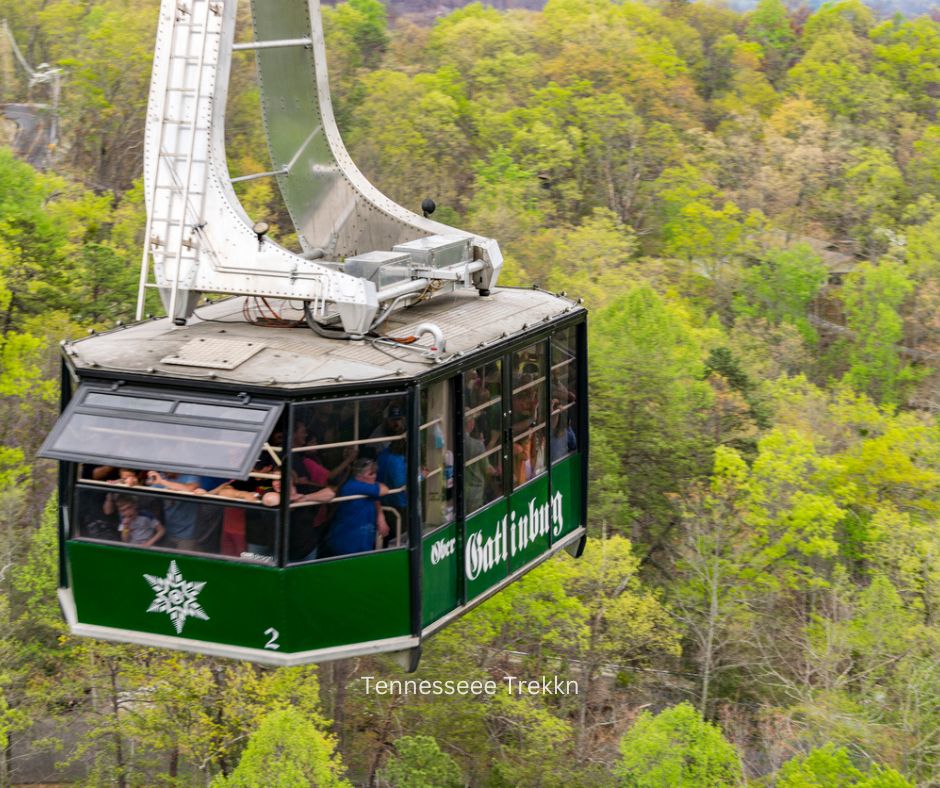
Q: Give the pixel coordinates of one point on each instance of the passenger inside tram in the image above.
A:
(392, 471)
(392, 425)
(563, 440)
(331, 459)
(136, 527)
(311, 471)
(481, 468)
(359, 516)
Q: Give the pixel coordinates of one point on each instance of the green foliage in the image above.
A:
(873, 295)
(419, 763)
(287, 751)
(409, 136)
(106, 52)
(769, 25)
(678, 748)
(782, 286)
(592, 259)
(365, 23)
(924, 168)
(55, 249)
(649, 394)
(832, 767)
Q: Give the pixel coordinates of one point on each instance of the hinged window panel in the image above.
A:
(163, 431)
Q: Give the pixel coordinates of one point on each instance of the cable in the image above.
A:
(273, 311)
(321, 330)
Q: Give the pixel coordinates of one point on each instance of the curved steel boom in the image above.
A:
(360, 249)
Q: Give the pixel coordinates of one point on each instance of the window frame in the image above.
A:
(576, 362)
(533, 429)
(452, 382)
(260, 430)
(286, 507)
(75, 513)
(460, 476)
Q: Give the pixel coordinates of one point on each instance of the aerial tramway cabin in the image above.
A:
(492, 432)
(352, 446)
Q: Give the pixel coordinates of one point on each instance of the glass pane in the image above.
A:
(332, 431)
(563, 425)
(307, 531)
(153, 443)
(528, 413)
(209, 411)
(358, 449)
(119, 402)
(358, 519)
(134, 518)
(483, 436)
(142, 430)
(437, 456)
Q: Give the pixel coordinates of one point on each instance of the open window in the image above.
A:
(165, 431)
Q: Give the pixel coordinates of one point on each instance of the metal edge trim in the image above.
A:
(67, 602)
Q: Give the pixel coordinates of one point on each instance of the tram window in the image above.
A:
(119, 402)
(345, 453)
(173, 431)
(156, 442)
(528, 413)
(134, 517)
(437, 456)
(201, 410)
(171, 511)
(564, 394)
(482, 436)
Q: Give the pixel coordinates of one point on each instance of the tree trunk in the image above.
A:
(340, 674)
(383, 737)
(220, 690)
(708, 655)
(118, 742)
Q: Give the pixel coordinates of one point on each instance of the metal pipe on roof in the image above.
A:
(415, 285)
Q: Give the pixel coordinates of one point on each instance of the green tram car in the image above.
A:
(487, 419)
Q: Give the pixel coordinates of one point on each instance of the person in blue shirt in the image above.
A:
(393, 472)
(184, 530)
(356, 522)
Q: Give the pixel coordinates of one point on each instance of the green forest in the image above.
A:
(749, 204)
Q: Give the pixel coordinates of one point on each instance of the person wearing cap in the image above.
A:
(354, 526)
(394, 424)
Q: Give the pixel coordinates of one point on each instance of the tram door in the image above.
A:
(505, 479)
(516, 453)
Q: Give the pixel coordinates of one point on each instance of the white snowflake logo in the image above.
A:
(176, 596)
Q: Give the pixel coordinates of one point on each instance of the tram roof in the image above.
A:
(220, 346)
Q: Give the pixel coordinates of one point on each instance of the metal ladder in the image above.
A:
(175, 199)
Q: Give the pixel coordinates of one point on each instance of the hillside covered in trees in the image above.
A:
(750, 205)
(435, 8)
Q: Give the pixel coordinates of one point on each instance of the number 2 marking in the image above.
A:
(272, 643)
